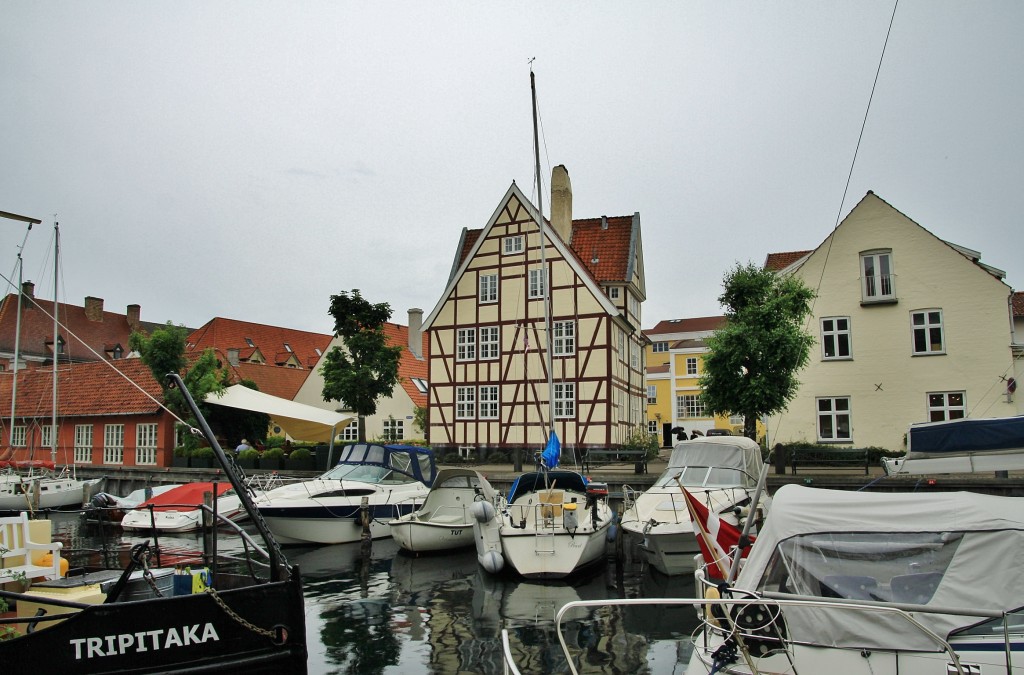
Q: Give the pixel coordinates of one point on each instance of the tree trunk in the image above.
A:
(750, 427)
(362, 428)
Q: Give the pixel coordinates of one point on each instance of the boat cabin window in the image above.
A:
(703, 476)
(1014, 620)
(904, 567)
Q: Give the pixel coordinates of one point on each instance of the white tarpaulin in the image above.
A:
(300, 421)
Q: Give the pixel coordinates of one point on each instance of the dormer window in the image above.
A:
(877, 281)
(613, 292)
(249, 342)
(287, 347)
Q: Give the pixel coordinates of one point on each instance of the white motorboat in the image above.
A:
(444, 521)
(39, 487)
(967, 445)
(180, 508)
(371, 481)
(554, 524)
(721, 471)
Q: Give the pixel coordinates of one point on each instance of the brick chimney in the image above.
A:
(561, 202)
(233, 355)
(133, 315)
(28, 290)
(93, 308)
(416, 332)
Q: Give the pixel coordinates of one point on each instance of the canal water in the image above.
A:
(390, 612)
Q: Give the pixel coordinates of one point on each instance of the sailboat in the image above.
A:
(37, 484)
(554, 523)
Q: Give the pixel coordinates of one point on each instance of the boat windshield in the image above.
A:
(702, 476)
(904, 567)
(364, 473)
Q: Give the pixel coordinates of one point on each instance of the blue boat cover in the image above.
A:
(969, 435)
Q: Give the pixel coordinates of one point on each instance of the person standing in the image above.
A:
(244, 445)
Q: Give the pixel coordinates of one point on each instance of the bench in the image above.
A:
(593, 458)
(828, 459)
(20, 556)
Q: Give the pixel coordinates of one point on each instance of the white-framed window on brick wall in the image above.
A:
(46, 436)
(465, 345)
(834, 418)
(490, 346)
(689, 406)
(19, 436)
(488, 288)
(83, 444)
(113, 444)
(145, 444)
(489, 402)
(946, 405)
(465, 403)
(926, 326)
(565, 400)
(835, 338)
(564, 343)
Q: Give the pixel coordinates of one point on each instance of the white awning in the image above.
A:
(300, 421)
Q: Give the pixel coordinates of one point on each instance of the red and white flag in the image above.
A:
(717, 539)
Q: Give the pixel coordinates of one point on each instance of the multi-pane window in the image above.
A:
(46, 438)
(83, 443)
(537, 278)
(565, 400)
(465, 403)
(145, 443)
(946, 405)
(564, 343)
(835, 337)
(659, 347)
(18, 436)
(113, 444)
(488, 288)
(834, 418)
(489, 402)
(513, 244)
(691, 365)
(394, 430)
(465, 348)
(489, 345)
(613, 292)
(350, 433)
(689, 406)
(927, 328)
(652, 428)
(634, 355)
(876, 276)
(652, 394)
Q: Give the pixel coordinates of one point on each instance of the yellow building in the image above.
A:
(489, 343)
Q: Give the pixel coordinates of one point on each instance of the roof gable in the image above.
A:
(254, 341)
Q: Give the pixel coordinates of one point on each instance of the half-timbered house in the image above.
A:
(489, 341)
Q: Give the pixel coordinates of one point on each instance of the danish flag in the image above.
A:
(717, 539)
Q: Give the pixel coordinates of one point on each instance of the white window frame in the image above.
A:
(835, 410)
(691, 366)
(393, 430)
(878, 284)
(652, 394)
(465, 344)
(946, 405)
(634, 355)
(488, 288)
(658, 347)
(834, 331)
(490, 343)
(512, 244)
(83, 444)
(145, 443)
(113, 444)
(652, 429)
(565, 400)
(613, 292)
(563, 341)
(465, 403)
(45, 435)
(19, 436)
(488, 402)
(930, 322)
(537, 279)
(690, 406)
(350, 432)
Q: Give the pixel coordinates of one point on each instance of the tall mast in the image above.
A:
(56, 351)
(17, 322)
(543, 260)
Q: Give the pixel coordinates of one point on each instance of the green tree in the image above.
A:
(164, 352)
(752, 362)
(367, 368)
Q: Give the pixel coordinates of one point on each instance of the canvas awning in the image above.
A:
(300, 421)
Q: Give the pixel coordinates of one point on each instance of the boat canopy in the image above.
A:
(410, 460)
(947, 550)
(542, 480)
(463, 478)
(965, 445)
(725, 452)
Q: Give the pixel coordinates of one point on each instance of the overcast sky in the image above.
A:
(250, 159)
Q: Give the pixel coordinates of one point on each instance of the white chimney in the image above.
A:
(416, 332)
(561, 202)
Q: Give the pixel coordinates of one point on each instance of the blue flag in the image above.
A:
(552, 452)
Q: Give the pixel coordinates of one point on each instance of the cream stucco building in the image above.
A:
(908, 327)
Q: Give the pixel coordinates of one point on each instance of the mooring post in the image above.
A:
(364, 519)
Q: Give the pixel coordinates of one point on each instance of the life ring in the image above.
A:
(47, 561)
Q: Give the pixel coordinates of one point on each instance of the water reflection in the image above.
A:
(384, 611)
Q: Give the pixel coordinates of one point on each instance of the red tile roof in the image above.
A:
(84, 389)
(83, 338)
(780, 261)
(655, 370)
(269, 379)
(409, 367)
(225, 334)
(698, 324)
(603, 245)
